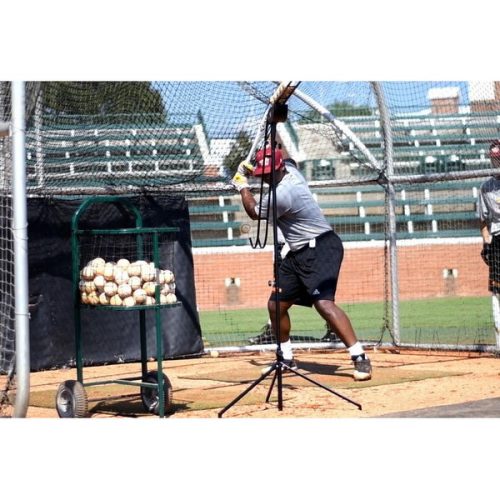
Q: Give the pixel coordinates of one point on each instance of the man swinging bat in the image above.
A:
(309, 272)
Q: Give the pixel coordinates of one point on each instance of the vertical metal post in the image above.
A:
(159, 333)
(20, 236)
(75, 260)
(385, 121)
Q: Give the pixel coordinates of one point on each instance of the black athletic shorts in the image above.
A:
(311, 273)
(494, 265)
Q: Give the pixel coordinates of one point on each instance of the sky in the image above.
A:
(228, 107)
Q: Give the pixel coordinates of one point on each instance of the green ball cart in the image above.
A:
(139, 243)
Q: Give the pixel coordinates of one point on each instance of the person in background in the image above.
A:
(489, 223)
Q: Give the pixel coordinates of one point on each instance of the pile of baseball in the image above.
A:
(125, 283)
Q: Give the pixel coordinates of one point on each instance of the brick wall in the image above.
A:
(436, 270)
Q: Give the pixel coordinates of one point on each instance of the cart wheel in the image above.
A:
(71, 400)
(150, 397)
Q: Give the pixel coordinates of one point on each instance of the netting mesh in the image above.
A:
(89, 138)
(443, 126)
(114, 135)
(120, 269)
(442, 131)
(7, 334)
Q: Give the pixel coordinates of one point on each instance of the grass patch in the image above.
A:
(443, 320)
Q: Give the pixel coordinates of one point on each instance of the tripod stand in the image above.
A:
(278, 113)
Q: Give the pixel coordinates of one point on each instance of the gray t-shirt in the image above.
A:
(488, 207)
(299, 216)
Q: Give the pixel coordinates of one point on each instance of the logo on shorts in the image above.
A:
(316, 292)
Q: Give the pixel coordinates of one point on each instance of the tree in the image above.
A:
(238, 152)
(337, 109)
(106, 102)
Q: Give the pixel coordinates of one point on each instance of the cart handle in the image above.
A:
(105, 199)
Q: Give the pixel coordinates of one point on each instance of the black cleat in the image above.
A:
(362, 368)
(330, 336)
(266, 337)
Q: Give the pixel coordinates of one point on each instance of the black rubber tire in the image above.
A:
(150, 396)
(71, 400)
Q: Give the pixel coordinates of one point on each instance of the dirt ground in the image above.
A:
(402, 381)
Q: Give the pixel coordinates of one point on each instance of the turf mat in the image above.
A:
(329, 375)
(118, 400)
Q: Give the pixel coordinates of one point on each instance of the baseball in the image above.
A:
(108, 271)
(150, 301)
(124, 263)
(214, 354)
(149, 287)
(139, 296)
(170, 298)
(165, 276)
(124, 290)
(134, 269)
(99, 282)
(110, 288)
(245, 228)
(115, 300)
(84, 298)
(88, 273)
(103, 299)
(135, 282)
(148, 272)
(89, 287)
(120, 275)
(129, 301)
(97, 265)
(81, 285)
(92, 299)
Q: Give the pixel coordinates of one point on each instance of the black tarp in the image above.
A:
(108, 336)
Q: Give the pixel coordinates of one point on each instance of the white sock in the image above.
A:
(356, 350)
(286, 349)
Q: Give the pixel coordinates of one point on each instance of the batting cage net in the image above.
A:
(395, 166)
(7, 333)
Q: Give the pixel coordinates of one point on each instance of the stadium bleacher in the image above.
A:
(423, 144)
(447, 209)
(88, 150)
(216, 221)
(443, 209)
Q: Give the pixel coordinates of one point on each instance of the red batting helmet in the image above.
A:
(495, 149)
(263, 161)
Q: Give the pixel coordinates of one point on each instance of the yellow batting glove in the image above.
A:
(245, 168)
(239, 181)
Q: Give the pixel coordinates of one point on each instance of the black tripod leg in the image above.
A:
(345, 398)
(279, 371)
(271, 387)
(248, 389)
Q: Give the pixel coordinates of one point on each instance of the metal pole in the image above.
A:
(385, 121)
(20, 235)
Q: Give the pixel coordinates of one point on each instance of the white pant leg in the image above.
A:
(495, 303)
